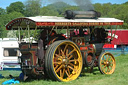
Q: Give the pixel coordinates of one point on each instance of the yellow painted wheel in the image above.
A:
(106, 63)
(63, 61)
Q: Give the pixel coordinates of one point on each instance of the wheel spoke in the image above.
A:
(68, 70)
(107, 57)
(111, 59)
(104, 67)
(67, 52)
(56, 58)
(70, 67)
(111, 64)
(70, 57)
(71, 52)
(59, 50)
(65, 47)
(66, 73)
(103, 58)
(57, 55)
(102, 62)
(57, 63)
(63, 73)
(73, 60)
(110, 67)
(108, 70)
(62, 53)
(58, 69)
(60, 72)
(71, 64)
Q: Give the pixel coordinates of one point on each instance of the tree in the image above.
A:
(16, 6)
(126, 3)
(106, 9)
(118, 11)
(32, 7)
(98, 7)
(46, 11)
(4, 19)
(2, 11)
(55, 9)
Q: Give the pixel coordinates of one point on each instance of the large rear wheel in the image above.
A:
(63, 61)
(106, 63)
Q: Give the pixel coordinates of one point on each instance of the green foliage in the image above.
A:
(32, 7)
(118, 11)
(2, 11)
(126, 3)
(46, 11)
(55, 9)
(16, 6)
(5, 19)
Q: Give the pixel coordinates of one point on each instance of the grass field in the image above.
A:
(120, 77)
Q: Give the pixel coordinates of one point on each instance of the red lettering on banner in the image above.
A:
(107, 23)
(116, 23)
(45, 23)
(77, 23)
(101, 23)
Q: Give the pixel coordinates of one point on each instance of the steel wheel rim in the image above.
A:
(67, 61)
(107, 63)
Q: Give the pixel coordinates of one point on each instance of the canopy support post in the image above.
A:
(111, 32)
(115, 32)
(51, 30)
(68, 32)
(28, 32)
(19, 34)
(34, 33)
(56, 30)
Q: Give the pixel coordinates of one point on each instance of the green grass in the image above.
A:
(120, 77)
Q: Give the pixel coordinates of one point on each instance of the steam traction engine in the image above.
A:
(64, 46)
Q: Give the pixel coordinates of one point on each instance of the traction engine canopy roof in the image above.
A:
(45, 21)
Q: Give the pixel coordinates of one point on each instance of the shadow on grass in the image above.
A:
(94, 71)
(85, 73)
(30, 79)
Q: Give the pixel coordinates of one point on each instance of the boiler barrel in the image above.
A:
(69, 14)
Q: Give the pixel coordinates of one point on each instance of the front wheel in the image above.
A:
(106, 63)
(63, 61)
